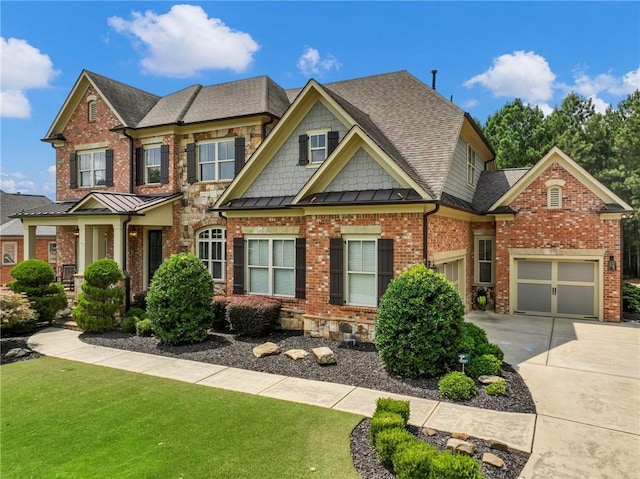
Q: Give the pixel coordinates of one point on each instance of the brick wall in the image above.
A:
(42, 252)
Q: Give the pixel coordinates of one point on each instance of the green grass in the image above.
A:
(63, 419)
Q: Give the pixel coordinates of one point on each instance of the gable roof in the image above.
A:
(493, 184)
(12, 203)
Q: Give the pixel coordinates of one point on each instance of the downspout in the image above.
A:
(131, 152)
(425, 232)
(127, 276)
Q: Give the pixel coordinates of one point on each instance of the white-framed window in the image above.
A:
(52, 249)
(92, 110)
(317, 146)
(10, 252)
(92, 168)
(361, 256)
(271, 266)
(152, 164)
(216, 160)
(212, 251)
(485, 259)
(471, 165)
(554, 197)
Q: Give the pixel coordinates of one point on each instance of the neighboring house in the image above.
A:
(346, 185)
(11, 233)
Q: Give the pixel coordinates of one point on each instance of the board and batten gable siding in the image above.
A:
(283, 175)
(456, 184)
(362, 172)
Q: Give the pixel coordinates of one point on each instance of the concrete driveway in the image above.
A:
(585, 379)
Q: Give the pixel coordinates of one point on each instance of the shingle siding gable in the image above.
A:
(362, 172)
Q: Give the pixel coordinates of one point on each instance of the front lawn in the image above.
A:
(66, 419)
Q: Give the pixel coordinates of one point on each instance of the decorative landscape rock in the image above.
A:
(497, 445)
(430, 432)
(296, 354)
(18, 353)
(324, 355)
(493, 460)
(266, 349)
(460, 435)
(460, 446)
(490, 379)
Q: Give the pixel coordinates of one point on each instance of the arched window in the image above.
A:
(212, 250)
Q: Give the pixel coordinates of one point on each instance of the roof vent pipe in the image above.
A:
(433, 78)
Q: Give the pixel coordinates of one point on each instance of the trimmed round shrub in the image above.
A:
(418, 324)
(253, 316)
(472, 337)
(384, 420)
(493, 349)
(457, 386)
(16, 316)
(35, 278)
(394, 405)
(413, 459)
(101, 296)
(485, 364)
(179, 302)
(130, 319)
(144, 327)
(499, 388)
(447, 465)
(387, 442)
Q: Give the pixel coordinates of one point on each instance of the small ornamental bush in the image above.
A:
(253, 316)
(179, 300)
(130, 319)
(493, 349)
(446, 465)
(101, 296)
(457, 386)
(418, 324)
(35, 278)
(485, 364)
(16, 316)
(387, 442)
(384, 420)
(630, 298)
(472, 338)
(499, 388)
(220, 322)
(144, 327)
(413, 459)
(394, 405)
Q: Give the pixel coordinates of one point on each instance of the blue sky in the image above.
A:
(486, 54)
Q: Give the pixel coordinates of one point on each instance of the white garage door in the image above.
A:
(557, 287)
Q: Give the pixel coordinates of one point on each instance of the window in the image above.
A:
(271, 266)
(9, 252)
(152, 164)
(53, 252)
(92, 168)
(318, 147)
(216, 160)
(471, 165)
(92, 110)
(484, 259)
(361, 258)
(213, 252)
(554, 197)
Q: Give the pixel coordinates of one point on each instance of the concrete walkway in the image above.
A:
(584, 377)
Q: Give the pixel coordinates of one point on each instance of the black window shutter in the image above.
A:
(303, 141)
(238, 265)
(108, 174)
(139, 166)
(191, 163)
(164, 164)
(332, 141)
(301, 268)
(73, 170)
(336, 271)
(385, 264)
(239, 154)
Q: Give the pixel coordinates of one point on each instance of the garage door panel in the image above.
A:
(577, 272)
(576, 300)
(534, 270)
(534, 297)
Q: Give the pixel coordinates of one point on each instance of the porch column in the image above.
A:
(83, 254)
(117, 245)
(96, 242)
(29, 242)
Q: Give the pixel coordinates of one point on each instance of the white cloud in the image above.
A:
(311, 63)
(185, 41)
(524, 75)
(22, 67)
(17, 182)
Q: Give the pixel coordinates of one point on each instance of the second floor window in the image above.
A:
(471, 165)
(92, 168)
(317, 147)
(216, 160)
(152, 165)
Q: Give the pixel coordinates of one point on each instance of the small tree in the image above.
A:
(179, 302)
(35, 278)
(101, 296)
(418, 323)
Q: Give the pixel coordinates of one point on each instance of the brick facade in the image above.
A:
(42, 252)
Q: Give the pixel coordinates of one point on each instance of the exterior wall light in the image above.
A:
(612, 264)
(133, 233)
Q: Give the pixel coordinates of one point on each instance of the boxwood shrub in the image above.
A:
(499, 388)
(447, 465)
(418, 324)
(130, 319)
(144, 327)
(384, 420)
(457, 386)
(394, 405)
(387, 442)
(253, 316)
(412, 459)
(35, 278)
(484, 364)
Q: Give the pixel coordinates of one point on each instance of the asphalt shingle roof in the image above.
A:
(493, 184)
(12, 203)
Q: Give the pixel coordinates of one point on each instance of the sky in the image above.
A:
(487, 54)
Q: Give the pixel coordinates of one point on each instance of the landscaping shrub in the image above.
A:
(16, 316)
(220, 314)
(394, 405)
(485, 364)
(457, 386)
(630, 298)
(252, 315)
(387, 442)
(491, 348)
(499, 388)
(144, 327)
(418, 323)
(130, 319)
(413, 459)
(384, 420)
(179, 300)
(35, 278)
(447, 465)
(101, 296)
(472, 338)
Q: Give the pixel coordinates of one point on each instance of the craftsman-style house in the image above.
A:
(320, 196)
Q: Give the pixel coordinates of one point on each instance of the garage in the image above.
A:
(557, 287)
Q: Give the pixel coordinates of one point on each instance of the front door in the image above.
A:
(154, 249)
